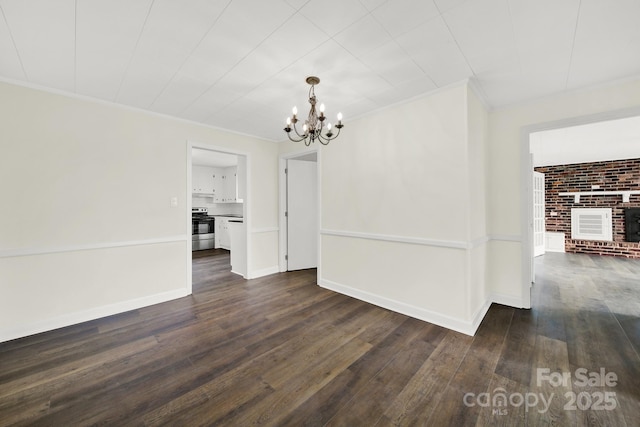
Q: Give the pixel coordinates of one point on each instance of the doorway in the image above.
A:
(218, 183)
(602, 137)
(299, 211)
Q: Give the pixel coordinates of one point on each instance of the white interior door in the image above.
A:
(538, 214)
(302, 214)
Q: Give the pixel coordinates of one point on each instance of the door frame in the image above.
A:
(544, 203)
(246, 212)
(282, 205)
(526, 167)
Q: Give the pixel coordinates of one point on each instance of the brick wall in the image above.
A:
(610, 176)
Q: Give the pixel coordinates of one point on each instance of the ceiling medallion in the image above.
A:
(314, 124)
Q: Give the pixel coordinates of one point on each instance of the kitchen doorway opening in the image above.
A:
(300, 203)
(568, 142)
(217, 208)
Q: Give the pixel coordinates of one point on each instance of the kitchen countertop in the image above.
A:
(228, 216)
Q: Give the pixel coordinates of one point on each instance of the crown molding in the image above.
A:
(92, 99)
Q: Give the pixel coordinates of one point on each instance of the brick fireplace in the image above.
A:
(618, 175)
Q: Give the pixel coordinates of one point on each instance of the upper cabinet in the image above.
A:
(202, 180)
(234, 182)
(225, 185)
(230, 185)
(218, 182)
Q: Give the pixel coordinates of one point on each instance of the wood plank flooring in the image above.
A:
(280, 350)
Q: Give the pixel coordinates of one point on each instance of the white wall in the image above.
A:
(506, 129)
(594, 142)
(86, 227)
(397, 202)
(263, 173)
(478, 127)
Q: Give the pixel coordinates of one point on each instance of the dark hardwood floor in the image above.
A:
(280, 350)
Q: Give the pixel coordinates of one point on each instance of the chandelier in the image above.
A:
(314, 124)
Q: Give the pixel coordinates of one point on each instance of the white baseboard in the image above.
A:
(264, 272)
(508, 300)
(479, 315)
(555, 250)
(235, 272)
(465, 327)
(458, 325)
(87, 315)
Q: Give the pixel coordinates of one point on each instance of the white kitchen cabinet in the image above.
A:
(218, 185)
(202, 180)
(230, 185)
(238, 256)
(221, 183)
(222, 237)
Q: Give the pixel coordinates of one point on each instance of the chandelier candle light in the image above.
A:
(313, 126)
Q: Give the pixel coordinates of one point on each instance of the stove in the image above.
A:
(202, 230)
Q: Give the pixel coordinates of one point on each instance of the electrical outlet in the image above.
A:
(174, 202)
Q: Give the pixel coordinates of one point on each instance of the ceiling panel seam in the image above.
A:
(135, 49)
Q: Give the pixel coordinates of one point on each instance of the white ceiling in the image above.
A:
(594, 142)
(241, 64)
